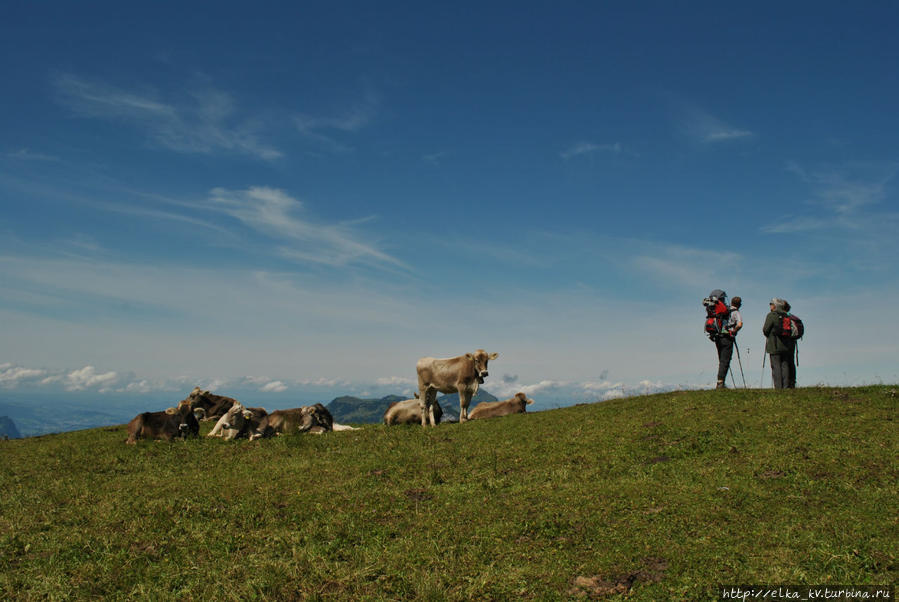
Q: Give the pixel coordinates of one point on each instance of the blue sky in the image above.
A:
(299, 200)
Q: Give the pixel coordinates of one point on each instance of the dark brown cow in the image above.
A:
(307, 419)
(494, 409)
(462, 374)
(214, 405)
(409, 412)
(238, 422)
(173, 423)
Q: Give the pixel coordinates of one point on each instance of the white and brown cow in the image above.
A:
(173, 423)
(494, 409)
(409, 412)
(214, 405)
(307, 419)
(238, 422)
(462, 374)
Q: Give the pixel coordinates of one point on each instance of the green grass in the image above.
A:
(650, 498)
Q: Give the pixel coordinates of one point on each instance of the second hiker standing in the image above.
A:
(779, 347)
(726, 341)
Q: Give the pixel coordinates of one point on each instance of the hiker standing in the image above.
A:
(779, 347)
(728, 339)
(735, 323)
(722, 324)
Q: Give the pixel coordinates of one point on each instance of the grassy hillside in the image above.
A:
(658, 497)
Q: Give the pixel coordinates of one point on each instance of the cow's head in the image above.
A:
(480, 359)
(315, 418)
(234, 418)
(523, 399)
(198, 398)
(198, 411)
(187, 421)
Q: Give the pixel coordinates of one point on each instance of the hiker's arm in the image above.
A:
(769, 324)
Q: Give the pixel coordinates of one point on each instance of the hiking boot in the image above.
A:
(720, 385)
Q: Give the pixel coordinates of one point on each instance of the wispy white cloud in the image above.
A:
(848, 188)
(275, 213)
(89, 378)
(140, 386)
(276, 386)
(687, 266)
(159, 214)
(586, 148)
(723, 133)
(321, 382)
(24, 154)
(323, 130)
(206, 123)
(702, 126)
(843, 197)
(399, 381)
(551, 393)
(790, 224)
(11, 376)
(435, 158)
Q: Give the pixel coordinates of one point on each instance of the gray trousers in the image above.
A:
(783, 370)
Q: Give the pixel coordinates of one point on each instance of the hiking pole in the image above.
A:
(739, 361)
(732, 379)
(762, 379)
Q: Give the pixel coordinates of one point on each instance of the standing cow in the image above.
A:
(494, 409)
(462, 374)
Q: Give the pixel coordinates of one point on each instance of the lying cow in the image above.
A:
(307, 419)
(238, 422)
(409, 412)
(462, 374)
(494, 409)
(214, 405)
(179, 422)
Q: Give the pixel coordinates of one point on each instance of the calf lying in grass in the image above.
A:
(495, 409)
(307, 419)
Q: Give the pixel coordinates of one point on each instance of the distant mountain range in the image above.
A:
(42, 415)
(356, 410)
(8, 428)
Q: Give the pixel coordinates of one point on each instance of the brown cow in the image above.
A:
(180, 422)
(214, 405)
(307, 419)
(238, 422)
(463, 374)
(494, 409)
(409, 412)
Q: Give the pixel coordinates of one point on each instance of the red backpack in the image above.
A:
(790, 327)
(717, 312)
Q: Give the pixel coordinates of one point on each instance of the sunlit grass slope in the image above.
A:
(653, 498)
